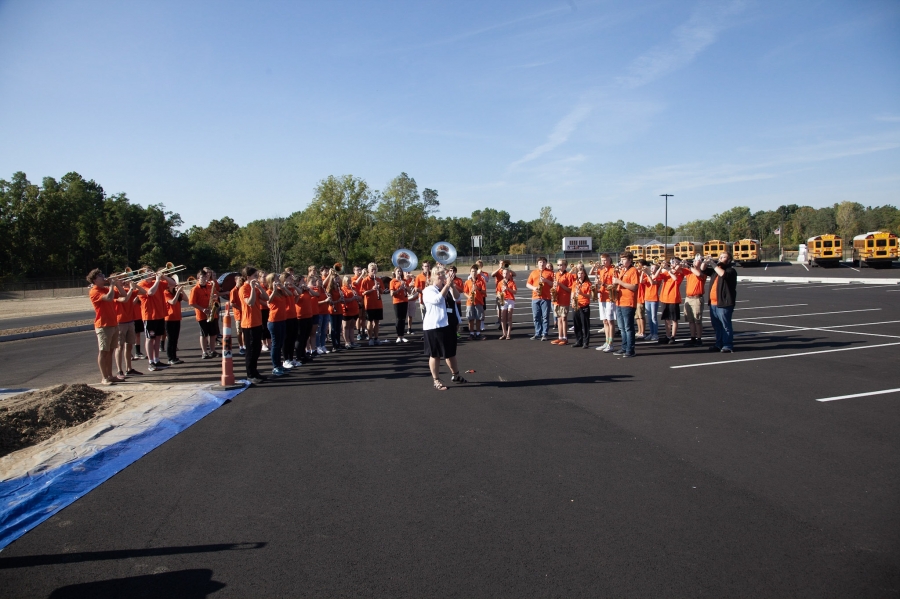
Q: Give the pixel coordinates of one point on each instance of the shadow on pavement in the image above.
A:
(28, 561)
(190, 584)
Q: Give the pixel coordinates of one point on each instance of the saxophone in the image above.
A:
(614, 288)
(554, 291)
(574, 302)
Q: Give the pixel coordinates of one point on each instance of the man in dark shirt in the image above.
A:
(722, 297)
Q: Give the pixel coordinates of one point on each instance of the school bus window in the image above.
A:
(870, 243)
(744, 248)
(881, 242)
(828, 244)
(893, 242)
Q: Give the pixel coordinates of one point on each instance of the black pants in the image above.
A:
(173, 329)
(253, 345)
(337, 322)
(583, 326)
(290, 337)
(304, 328)
(400, 311)
(264, 312)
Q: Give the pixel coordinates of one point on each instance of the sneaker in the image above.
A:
(371, 342)
(602, 347)
(320, 350)
(535, 337)
(205, 356)
(278, 372)
(359, 337)
(215, 354)
(264, 348)
(640, 337)
(627, 355)
(256, 381)
(654, 338)
(134, 372)
(296, 363)
(727, 350)
(381, 341)
(160, 366)
(714, 348)
(544, 338)
(608, 349)
(120, 375)
(152, 367)
(618, 352)
(242, 351)
(175, 361)
(405, 340)
(555, 342)
(287, 365)
(399, 340)
(698, 342)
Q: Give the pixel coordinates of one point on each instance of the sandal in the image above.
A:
(457, 378)
(439, 386)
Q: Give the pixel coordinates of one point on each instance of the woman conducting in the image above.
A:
(439, 325)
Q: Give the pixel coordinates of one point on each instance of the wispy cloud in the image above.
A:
(687, 41)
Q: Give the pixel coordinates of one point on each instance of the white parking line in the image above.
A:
(837, 397)
(809, 353)
(813, 314)
(850, 267)
(765, 307)
(793, 328)
(834, 326)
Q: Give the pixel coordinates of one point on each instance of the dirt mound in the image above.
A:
(29, 418)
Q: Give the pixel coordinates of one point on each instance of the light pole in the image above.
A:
(666, 225)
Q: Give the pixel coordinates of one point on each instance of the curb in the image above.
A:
(823, 281)
(47, 333)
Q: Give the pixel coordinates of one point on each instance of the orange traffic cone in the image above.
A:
(227, 363)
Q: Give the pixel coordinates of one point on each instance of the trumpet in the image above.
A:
(338, 268)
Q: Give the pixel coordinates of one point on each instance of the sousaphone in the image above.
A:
(444, 253)
(404, 259)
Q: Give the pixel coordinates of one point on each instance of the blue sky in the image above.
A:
(593, 108)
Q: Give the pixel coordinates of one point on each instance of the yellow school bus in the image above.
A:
(714, 247)
(746, 251)
(657, 252)
(825, 250)
(876, 248)
(637, 251)
(686, 250)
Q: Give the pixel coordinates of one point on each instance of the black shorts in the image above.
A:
(209, 329)
(375, 314)
(440, 343)
(138, 326)
(671, 312)
(350, 318)
(155, 328)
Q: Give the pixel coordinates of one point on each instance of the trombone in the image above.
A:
(145, 273)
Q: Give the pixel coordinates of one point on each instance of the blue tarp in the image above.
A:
(27, 501)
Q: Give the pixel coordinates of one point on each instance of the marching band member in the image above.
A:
(264, 310)
(413, 297)
(693, 301)
(252, 295)
(371, 289)
(137, 314)
(278, 302)
(335, 308)
(290, 322)
(421, 282)
(173, 322)
(497, 275)
(153, 310)
(324, 302)
(722, 298)
(458, 283)
(582, 317)
(399, 298)
(507, 291)
(563, 281)
(475, 292)
(605, 274)
(651, 299)
(349, 311)
(125, 318)
(487, 281)
(439, 326)
(670, 296)
(235, 299)
(200, 300)
(359, 275)
(307, 315)
(103, 294)
(626, 303)
(539, 281)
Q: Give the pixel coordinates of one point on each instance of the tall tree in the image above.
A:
(340, 210)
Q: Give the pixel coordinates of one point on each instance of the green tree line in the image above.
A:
(67, 227)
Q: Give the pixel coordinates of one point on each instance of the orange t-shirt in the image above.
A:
(372, 301)
(628, 298)
(279, 307)
(510, 292)
(173, 311)
(105, 312)
(153, 307)
(459, 284)
(651, 293)
(235, 298)
(251, 316)
(200, 297)
(337, 307)
(533, 280)
(498, 278)
(137, 308)
(399, 287)
(124, 311)
(671, 289)
(351, 307)
(694, 285)
(563, 297)
(604, 278)
(584, 294)
(480, 292)
(714, 293)
(421, 282)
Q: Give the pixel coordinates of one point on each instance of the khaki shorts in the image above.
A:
(107, 337)
(126, 333)
(639, 313)
(561, 311)
(693, 309)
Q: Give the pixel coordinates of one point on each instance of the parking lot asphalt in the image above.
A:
(553, 472)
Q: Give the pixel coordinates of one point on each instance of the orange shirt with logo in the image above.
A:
(398, 286)
(251, 316)
(534, 279)
(200, 297)
(476, 284)
(694, 285)
(564, 297)
(628, 298)
(153, 307)
(371, 301)
(104, 312)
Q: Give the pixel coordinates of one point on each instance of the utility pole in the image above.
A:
(666, 225)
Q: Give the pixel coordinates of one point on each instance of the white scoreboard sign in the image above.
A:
(577, 244)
